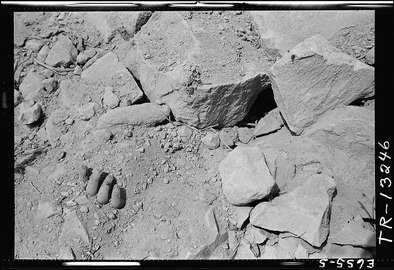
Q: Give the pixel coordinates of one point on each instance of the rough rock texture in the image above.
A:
(31, 85)
(144, 114)
(34, 45)
(304, 212)
(43, 53)
(63, 53)
(109, 98)
(353, 233)
(228, 136)
(370, 57)
(245, 134)
(211, 140)
(73, 227)
(17, 98)
(185, 133)
(349, 135)
(245, 176)
(87, 111)
(49, 84)
(269, 123)
(282, 30)
(315, 77)
(109, 71)
(177, 74)
(29, 112)
(240, 215)
(55, 126)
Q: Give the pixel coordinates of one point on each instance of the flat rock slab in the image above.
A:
(245, 176)
(173, 61)
(315, 77)
(110, 72)
(354, 234)
(73, 227)
(148, 114)
(47, 209)
(304, 211)
(269, 123)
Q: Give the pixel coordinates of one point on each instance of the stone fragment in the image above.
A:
(346, 251)
(315, 77)
(43, 53)
(301, 252)
(184, 133)
(211, 140)
(147, 114)
(66, 253)
(370, 57)
(77, 70)
(34, 45)
(269, 123)
(46, 210)
(240, 215)
(87, 111)
(254, 235)
(110, 99)
(42, 135)
(305, 211)
(276, 252)
(354, 234)
(31, 85)
(29, 112)
(244, 251)
(228, 136)
(55, 126)
(49, 84)
(245, 134)
(63, 53)
(72, 227)
(17, 98)
(245, 176)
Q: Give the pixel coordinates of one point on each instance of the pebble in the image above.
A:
(64, 194)
(69, 121)
(84, 209)
(96, 216)
(111, 216)
(60, 155)
(97, 222)
(141, 150)
(166, 181)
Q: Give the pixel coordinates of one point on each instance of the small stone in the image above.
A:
(82, 58)
(111, 216)
(141, 150)
(49, 84)
(370, 57)
(228, 137)
(166, 181)
(87, 111)
(60, 155)
(84, 209)
(31, 85)
(211, 140)
(185, 133)
(77, 70)
(245, 134)
(30, 112)
(42, 134)
(66, 253)
(69, 121)
(64, 194)
(110, 99)
(17, 98)
(34, 45)
(43, 53)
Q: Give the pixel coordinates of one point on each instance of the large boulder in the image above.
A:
(315, 77)
(148, 114)
(245, 176)
(183, 63)
(305, 211)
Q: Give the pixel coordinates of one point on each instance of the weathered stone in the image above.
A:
(34, 45)
(43, 53)
(17, 98)
(46, 210)
(73, 227)
(148, 114)
(77, 70)
(198, 93)
(370, 57)
(63, 53)
(109, 71)
(29, 112)
(245, 134)
(349, 136)
(240, 215)
(42, 134)
(103, 135)
(269, 123)
(55, 126)
(31, 85)
(66, 253)
(185, 133)
(301, 252)
(254, 235)
(87, 111)
(82, 58)
(211, 140)
(315, 77)
(109, 98)
(304, 211)
(245, 176)
(228, 136)
(211, 225)
(244, 251)
(354, 234)
(49, 84)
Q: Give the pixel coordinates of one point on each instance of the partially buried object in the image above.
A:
(117, 198)
(94, 183)
(105, 190)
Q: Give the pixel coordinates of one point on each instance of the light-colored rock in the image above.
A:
(244, 251)
(354, 234)
(304, 211)
(245, 134)
(17, 98)
(87, 111)
(55, 126)
(46, 210)
(315, 77)
(228, 136)
(370, 57)
(197, 92)
(29, 112)
(31, 85)
(245, 176)
(349, 136)
(301, 252)
(269, 123)
(346, 251)
(73, 227)
(147, 114)
(185, 133)
(254, 235)
(63, 53)
(240, 215)
(211, 225)
(82, 58)
(109, 98)
(276, 252)
(49, 84)
(109, 71)
(211, 140)
(66, 253)
(77, 70)
(43, 53)
(34, 45)
(282, 30)
(42, 134)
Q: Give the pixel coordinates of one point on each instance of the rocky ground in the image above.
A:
(181, 135)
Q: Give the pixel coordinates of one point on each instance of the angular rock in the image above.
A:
(349, 136)
(63, 53)
(244, 251)
(197, 92)
(42, 134)
(269, 123)
(254, 235)
(73, 227)
(82, 58)
(109, 71)
(185, 133)
(245, 134)
(304, 211)
(55, 126)
(370, 57)
(29, 112)
(211, 140)
(31, 85)
(354, 234)
(240, 215)
(245, 176)
(301, 252)
(228, 136)
(109, 98)
(66, 253)
(87, 111)
(77, 70)
(17, 98)
(147, 114)
(43, 53)
(46, 210)
(315, 77)
(49, 84)
(34, 45)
